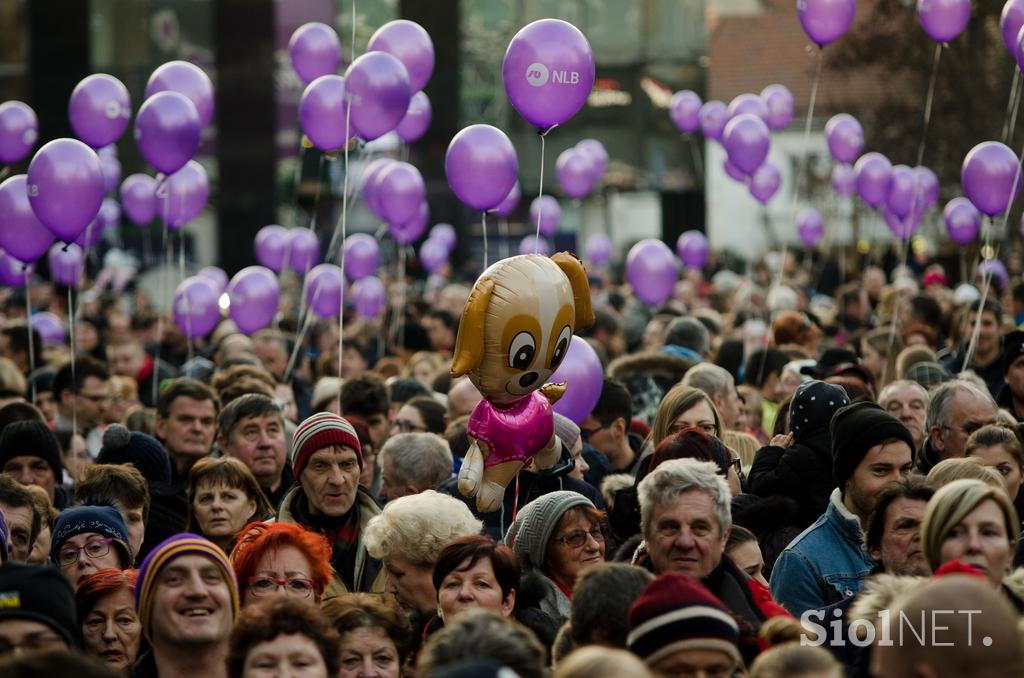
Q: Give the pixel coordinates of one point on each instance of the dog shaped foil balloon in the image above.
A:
(515, 331)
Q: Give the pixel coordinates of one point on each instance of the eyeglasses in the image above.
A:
(299, 587)
(94, 548)
(577, 538)
(409, 427)
(96, 398)
(585, 433)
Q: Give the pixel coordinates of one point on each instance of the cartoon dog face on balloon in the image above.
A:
(515, 331)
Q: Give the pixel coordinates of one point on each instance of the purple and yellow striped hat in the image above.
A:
(183, 544)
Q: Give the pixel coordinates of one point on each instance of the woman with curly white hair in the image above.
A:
(407, 537)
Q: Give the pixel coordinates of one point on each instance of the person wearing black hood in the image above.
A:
(1011, 395)
(799, 463)
(30, 453)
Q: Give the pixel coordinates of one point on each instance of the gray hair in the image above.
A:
(244, 407)
(711, 379)
(942, 399)
(900, 383)
(417, 527)
(420, 459)
(676, 476)
(689, 333)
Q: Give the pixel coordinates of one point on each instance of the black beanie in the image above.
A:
(39, 593)
(1013, 348)
(31, 438)
(121, 446)
(857, 428)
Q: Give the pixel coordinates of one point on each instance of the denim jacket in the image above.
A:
(824, 564)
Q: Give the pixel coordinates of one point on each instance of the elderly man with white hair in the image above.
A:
(907, 401)
(413, 462)
(685, 518)
(957, 409)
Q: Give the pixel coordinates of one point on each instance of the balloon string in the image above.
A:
(483, 228)
(1012, 103)
(985, 286)
(540, 194)
(698, 161)
(164, 273)
(400, 321)
(74, 380)
(184, 296)
(928, 103)
(503, 245)
(28, 328)
(298, 343)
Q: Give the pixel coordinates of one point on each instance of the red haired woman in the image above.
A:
(105, 602)
(281, 559)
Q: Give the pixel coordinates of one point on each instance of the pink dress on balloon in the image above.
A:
(513, 432)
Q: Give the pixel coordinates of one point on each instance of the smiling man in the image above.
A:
(251, 429)
(326, 459)
(828, 562)
(187, 601)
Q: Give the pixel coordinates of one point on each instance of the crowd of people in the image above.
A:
(773, 481)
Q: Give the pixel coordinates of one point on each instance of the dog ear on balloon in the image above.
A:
(469, 343)
(577, 275)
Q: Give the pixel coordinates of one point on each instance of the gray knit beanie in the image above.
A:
(529, 534)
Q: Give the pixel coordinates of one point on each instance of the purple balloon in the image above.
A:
(110, 213)
(809, 226)
(417, 119)
(216, 277)
(531, 244)
(322, 113)
(991, 177)
(746, 140)
(825, 21)
(993, 268)
(692, 247)
(100, 109)
(49, 327)
(902, 191)
(963, 220)
(19, 130)
(874, 174)
(315, 50)
(411, 231)
(733, 171)
(254, 295)
(138, 198)
(377, 87)
(408, 42)
(927, 186)
(65, 187)
(748, 104)
(401, 191)
(901, 228)
(22, 235)
(845, 137)
(361, 256)
(369, 297)
(548, 72)
(595, 149)
(547, 210)
(323, 290)
(481, 166)
(781, 108)
(109, 149)
(195, 308)
(684, 109)
(12, 271)
(92, 234)
(303, 250)
(433, 255)
(181, 197)
(583, 375)
(765, 182)
(510, 203)
(943, 20)
(599, 249)
(575, 172)
(370, 176)
(187, 79)
(713, 117)
(652, 270)
(444, 234)
(111, 168)
(270, 246)
(1010, 23)
(67, 264)
(167, 131)
(844, 179)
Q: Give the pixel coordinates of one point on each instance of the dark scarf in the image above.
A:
(343, 533)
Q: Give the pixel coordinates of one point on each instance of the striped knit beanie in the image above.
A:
(676, 612)
(184, 544)
(317, 432)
